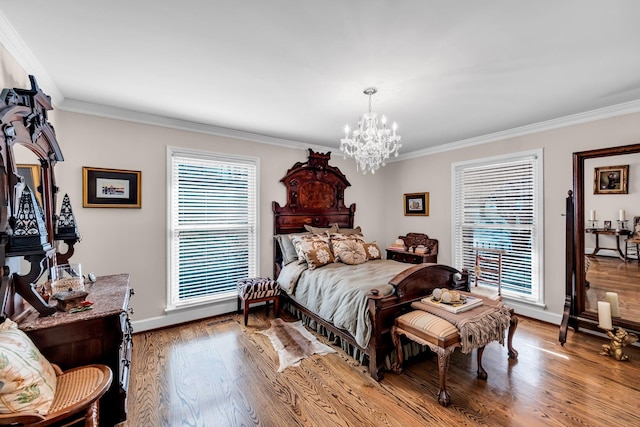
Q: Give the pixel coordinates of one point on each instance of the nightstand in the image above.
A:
(409, 257)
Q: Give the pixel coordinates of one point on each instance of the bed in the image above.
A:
(320, 268)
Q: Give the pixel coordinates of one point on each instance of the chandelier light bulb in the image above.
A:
(370, 145)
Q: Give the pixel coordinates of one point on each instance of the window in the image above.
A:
(497, 204)
(213, 225)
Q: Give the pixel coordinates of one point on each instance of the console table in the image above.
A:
(609, 232)
(100, 335)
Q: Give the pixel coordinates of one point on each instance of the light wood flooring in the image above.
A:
(216, 372)
(611, 274)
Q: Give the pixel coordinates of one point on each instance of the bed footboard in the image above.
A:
(411, 285)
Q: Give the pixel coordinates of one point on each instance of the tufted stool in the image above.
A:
(258, 289)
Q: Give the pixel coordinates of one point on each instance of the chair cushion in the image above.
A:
(27, 379)
(428, 326)
(257, 287)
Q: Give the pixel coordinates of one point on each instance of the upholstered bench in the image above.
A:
(258, 289)
(442, 337)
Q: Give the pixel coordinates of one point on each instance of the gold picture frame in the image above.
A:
(32, 177)
(111, 188)
(416, 204)
(611, 180)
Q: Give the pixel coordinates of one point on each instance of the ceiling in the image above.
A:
(293, 71)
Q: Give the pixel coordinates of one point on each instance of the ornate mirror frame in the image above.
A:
(575, 306)
(28, 230)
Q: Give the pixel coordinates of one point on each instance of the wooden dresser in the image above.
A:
(100, 335)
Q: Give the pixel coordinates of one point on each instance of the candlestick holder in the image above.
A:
(592, 224)
(622, 224)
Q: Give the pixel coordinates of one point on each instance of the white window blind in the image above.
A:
(496, 205)
(213, 225)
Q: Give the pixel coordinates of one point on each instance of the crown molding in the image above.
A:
(75, 106)
(14, 44)
(573, 119)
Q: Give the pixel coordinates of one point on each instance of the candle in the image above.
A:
(604, 315)
(623, 215)
(612, 298)
(592, 216)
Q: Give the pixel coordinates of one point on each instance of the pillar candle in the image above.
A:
(612, 298)
(592, 216)
(623, 215)
(604, 315)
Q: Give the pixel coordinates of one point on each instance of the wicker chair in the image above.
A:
(76, 398)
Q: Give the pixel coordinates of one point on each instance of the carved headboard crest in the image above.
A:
(315, 196)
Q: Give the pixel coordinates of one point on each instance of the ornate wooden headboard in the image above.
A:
(315, 196)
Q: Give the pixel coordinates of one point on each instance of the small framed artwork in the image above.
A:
(31, 175)
(416, 204)
(611, 180)
(111, 188)
(607, 225)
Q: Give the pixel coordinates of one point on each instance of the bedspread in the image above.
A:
(338, 292)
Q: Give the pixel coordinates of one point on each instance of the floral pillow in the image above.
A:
(350, 251)
(306, 242)
(372, 250)
(337, 238)
(27, 379)
(318, 256)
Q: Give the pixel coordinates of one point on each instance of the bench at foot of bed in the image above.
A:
(442, 337)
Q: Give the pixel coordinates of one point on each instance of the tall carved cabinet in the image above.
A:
(30, 232)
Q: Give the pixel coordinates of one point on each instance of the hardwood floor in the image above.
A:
(611, 274)
(216, 372)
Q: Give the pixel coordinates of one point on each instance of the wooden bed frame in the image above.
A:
(315, 196)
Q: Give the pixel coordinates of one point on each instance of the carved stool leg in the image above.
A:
(395, 336)
(443, 367)
(246, 312)
(513, 324)
(482, 374)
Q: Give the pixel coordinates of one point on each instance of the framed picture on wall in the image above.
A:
(111, 188)
(611, 180)
(416, 204)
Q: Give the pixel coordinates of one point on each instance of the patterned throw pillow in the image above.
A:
(351, 251)
(27, 379)
(337, 238)
(318, 256)
(304, 243)
(372, 250)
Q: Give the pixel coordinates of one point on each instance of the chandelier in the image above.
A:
(370, 145)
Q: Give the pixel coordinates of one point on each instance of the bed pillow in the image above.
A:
(318, 256)
(321, 230)
(336, 238)
(356, 230)
(351, 251)
(305, 242)
(372, 250)
(27, 379)
(287, 248)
